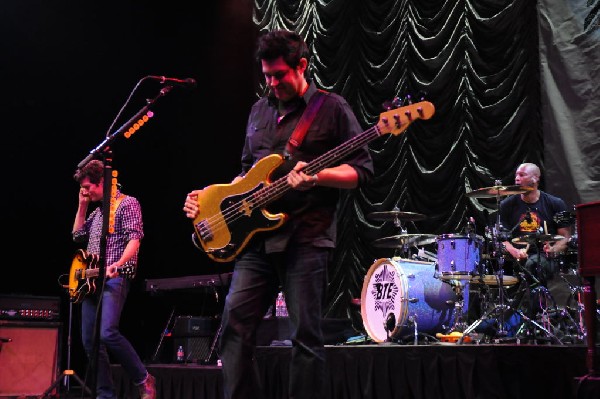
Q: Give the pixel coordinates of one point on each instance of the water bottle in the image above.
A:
(280, 306)
(180, 354)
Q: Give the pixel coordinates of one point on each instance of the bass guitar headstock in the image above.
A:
(398, 117)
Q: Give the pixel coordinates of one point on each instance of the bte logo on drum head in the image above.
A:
(384, 290)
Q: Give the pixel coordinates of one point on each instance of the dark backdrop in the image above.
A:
(68, 70)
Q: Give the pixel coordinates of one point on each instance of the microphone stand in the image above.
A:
(103, 150)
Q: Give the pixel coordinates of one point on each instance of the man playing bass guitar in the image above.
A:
(295, 255)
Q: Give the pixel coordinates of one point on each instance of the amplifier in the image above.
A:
(194, 326)
(588, 223)
(28, 307)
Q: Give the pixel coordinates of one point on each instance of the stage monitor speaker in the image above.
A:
(195, 349)
(588, 225)
(29, 356)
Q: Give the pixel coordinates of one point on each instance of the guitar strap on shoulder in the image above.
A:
(311, 110)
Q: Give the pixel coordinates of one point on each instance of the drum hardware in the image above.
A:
(534, 323)
(499, 313)
(576, 295)
(404, 240)
(497, 233)
(459, 287)
(424, 255)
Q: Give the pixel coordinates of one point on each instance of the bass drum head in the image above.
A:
(409, 290)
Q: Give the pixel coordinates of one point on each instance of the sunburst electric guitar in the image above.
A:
(84, 271)
(230, 214)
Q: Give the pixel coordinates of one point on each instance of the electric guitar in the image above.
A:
(230, 214)
(84, 269)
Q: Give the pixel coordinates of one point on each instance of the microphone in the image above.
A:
(188, 83)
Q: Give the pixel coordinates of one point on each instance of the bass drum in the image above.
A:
(409, 290)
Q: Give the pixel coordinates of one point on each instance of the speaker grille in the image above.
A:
(197, 349)
(29, 362)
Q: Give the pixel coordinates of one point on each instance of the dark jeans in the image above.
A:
(113, 299)
(301, 271)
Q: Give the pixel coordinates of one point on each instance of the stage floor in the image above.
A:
(386, 371)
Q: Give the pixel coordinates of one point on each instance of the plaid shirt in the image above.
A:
(128, 226)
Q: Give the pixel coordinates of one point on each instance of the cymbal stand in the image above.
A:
(545, 299)
(529, 320)
(577, 295)
(403, 230)
(497, 248)
(459, 288)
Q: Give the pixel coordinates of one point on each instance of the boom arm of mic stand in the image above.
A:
(111, 137)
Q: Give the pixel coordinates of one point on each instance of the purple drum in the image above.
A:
(458, 256)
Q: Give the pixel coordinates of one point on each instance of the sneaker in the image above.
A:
(148, 388)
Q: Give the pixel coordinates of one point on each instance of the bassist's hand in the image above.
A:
(190, 206)
(299, 180)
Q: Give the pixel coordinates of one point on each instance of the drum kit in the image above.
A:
(421, 297)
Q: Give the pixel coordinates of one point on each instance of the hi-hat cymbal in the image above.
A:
(398, 241)
(536, 237)
(396, 215)
(497, 191)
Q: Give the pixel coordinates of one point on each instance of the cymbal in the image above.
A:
(396, 215)
(398, 241)
(536, 237)
(497, 191)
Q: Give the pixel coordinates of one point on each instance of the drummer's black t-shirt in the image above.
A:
(522, 218)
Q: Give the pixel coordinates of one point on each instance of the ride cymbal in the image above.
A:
(396, 215)
(398, 241)
(536, 237)
(498, 191)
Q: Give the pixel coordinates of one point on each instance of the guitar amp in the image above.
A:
(28, 307)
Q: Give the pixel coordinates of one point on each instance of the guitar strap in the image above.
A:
(311, 110)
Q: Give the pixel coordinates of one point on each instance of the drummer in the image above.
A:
(530, 217)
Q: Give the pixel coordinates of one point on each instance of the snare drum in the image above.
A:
(410, 291)
(458, 256)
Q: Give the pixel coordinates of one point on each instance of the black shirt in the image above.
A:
(524, 218)
(311, 213)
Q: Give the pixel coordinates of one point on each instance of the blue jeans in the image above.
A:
(111, 340)
(302, 271)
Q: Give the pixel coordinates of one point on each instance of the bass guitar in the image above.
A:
(84, 271)
(230, 214)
